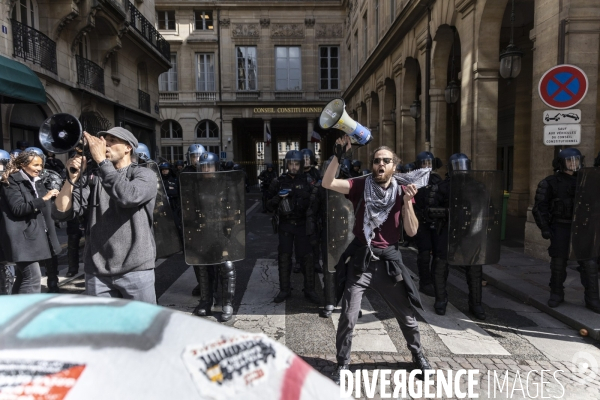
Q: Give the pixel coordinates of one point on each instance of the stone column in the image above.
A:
(438, 123)
(408, 126)
(388, 133)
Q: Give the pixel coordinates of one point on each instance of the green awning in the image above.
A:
(19, 84)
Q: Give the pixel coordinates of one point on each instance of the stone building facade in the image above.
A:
(98, 60)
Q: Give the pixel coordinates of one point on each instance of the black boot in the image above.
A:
(329, 291)
(52, 272)
(558, 274)
(228, 281)
(425, 283)
(73, 254)
(309, 279)
(196, 290)
(589, 275)
(474, 276)
(284, 267)
(205, 277)
(440, 275)
(421, 362)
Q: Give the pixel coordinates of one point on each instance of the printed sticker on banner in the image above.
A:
(37, 380)
(231, 365)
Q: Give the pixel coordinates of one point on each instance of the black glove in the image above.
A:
(546, 234)
(338, 151)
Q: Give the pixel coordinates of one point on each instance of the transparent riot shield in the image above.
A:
(213, 216)
(166, 235)
(340, 221)
(585, 228)
(475, 214)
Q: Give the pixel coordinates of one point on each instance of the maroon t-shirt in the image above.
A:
(389, 232)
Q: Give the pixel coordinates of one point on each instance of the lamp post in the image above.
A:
(510, 59)
(452, 90)
(415, 109)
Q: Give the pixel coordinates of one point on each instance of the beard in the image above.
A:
(381, 174)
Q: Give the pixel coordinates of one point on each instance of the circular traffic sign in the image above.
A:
(563, 86)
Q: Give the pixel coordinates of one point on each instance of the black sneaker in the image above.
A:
(421, 362)
(335, 375)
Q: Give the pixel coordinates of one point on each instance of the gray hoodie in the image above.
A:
(119, 206)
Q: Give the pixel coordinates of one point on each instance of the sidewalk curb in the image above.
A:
(532, 297)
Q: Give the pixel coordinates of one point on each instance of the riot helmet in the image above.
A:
(237, 167)
(143, 153)
(425, 159)
(345, 169)
(4, 159)
(399, 167)
(459, 162)
(294, 162)
(269, 166)
(179, 163)
(15, 152)
(570, 160)
(309, 158)
(39, 152)
(22, 145)
(193, 154)
(228, 166)
(408, 167)
(209, 162)
(165, 168)
(356, 164)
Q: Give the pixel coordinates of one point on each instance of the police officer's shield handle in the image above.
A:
(334, 115)
(585, 228)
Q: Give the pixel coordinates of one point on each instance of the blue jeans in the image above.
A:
(135, 285)
(28, 278)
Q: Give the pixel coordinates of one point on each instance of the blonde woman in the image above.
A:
(27, 231)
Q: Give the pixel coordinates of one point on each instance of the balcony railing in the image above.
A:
(329, 94)
(90, 74)
(168, 96)
(33, 46)
(143, 101)
(247, 95)
(289, 95)
(145, 28)
(206, 96)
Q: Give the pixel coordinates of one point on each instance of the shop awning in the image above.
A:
(19, 84)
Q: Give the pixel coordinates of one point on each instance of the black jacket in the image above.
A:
(26, 224)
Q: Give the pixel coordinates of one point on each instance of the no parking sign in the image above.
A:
(563, 86)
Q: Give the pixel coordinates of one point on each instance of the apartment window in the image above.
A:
(365, 36)
(207, 129)
(25, 11)
(392, 11)
(205, 72)
(204, 20)
(167, 81)
(246, 68)
(170, 129)
(329, 67)
(172, 153)
(166, 20)
(356, 52)
(376, 21)
(214, 149)
(288, 68)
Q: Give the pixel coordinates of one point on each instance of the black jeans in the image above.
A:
(28, 278)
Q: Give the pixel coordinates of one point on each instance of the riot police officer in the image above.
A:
(207, 274)
(399, 167)
(553, 214)
(309, 165)
(179, 165)
(474, 273)
(265, 178)
(192, 157)
(430, 222)
(355, 171)
(295, 203)
(408, 167)
(170, 183)
(228, 166)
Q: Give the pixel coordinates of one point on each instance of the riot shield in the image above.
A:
(213, 216)
(166, 235)
(585, 228)
(340, 221)
(475, 217)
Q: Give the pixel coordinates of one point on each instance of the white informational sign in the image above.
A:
(561, 117)
(562, 135)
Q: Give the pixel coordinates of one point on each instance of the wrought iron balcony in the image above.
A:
(145, 28)
(143, 101)
(33, 46)
(90, 74)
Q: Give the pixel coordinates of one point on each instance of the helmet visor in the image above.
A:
(461, 164)
(573, 163)
(427, 163)
(194, 158)
(207, 166)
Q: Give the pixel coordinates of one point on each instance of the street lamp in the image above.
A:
(415, 109)
(510, 59)
(452, 90)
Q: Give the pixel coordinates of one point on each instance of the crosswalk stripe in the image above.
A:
(458, 332)
(257, 312)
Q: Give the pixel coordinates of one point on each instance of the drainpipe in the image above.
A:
(220, 72)
(428, 84)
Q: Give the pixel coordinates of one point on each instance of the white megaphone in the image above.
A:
(334, 115)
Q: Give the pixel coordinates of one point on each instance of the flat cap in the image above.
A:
(123, 134)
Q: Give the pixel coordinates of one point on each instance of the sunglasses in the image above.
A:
(376, 161)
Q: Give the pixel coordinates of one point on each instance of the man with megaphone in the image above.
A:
(118, 199)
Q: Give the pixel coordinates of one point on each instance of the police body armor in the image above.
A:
(296, 206)
(51, 179)
(213, 216)
(166, 234)
(429, 207)
(585, 228)
(474, 217)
